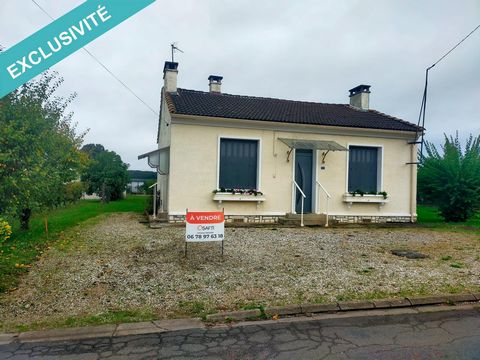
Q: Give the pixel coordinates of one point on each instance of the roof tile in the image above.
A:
(199, 103)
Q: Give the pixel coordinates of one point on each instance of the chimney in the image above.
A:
(360, 97)
(215, 83)
(170, 73)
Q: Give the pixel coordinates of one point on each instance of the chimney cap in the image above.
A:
(215, 78)
(359, 89)
(172, 66)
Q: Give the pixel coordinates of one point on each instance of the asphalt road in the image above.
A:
(438, 335)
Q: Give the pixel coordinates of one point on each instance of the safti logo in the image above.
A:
(61, 38)
(205, 217)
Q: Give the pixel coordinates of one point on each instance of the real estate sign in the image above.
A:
(204, 226)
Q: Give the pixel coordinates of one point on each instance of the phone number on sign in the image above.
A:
(205, 237)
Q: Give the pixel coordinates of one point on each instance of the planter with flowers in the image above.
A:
(359, 196)
(252, 195)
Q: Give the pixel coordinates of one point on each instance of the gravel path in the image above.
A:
(120, 264)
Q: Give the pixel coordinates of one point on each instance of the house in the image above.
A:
(138, 179)
(261, 159)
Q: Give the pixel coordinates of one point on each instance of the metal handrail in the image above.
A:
(328, 197)
(303, 197)
(154, 199)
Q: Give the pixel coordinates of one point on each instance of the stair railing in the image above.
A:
(154, 199)
(303, 198)
(328, 198)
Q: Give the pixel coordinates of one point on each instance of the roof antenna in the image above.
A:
(175, 48)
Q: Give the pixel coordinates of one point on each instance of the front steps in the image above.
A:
(160, 221)
(308, 219)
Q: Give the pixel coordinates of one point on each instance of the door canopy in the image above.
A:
(306, 144)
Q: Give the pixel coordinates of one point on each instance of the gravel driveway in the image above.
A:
(119, 264)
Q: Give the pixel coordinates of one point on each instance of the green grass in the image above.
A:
(25, 247)
(109, 317)
(418, 290)
(429, 216)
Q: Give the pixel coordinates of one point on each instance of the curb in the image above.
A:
(408, 305)
(346, 306)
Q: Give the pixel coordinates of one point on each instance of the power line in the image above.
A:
(104, 66)
(449, 51)
(423, 106)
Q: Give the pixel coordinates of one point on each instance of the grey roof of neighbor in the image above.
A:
(199, 103)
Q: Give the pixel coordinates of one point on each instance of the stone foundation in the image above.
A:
(333, 219)
(363, 219)
(249, 219)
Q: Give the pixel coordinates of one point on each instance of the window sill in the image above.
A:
(365, 199)
(221, 197)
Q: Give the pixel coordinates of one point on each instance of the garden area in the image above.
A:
(24, 248)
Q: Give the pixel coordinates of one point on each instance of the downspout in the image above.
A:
(413, 183)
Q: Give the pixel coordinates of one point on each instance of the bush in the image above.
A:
(451, 180)
(74, 191)
(5, 231)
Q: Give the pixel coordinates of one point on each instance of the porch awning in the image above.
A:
(313, 144)
(158, 159)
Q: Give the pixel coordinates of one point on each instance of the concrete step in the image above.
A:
(159, 221)
(308, 219)
(319, 217)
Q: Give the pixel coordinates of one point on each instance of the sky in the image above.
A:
(305, 50)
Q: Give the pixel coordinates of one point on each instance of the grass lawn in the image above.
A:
(25, 247)
(428, 216)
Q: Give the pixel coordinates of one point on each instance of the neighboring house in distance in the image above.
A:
(138, 179)
(257, 158)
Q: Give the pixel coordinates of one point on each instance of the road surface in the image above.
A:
(430, 335)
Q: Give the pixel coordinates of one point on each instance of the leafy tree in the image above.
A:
(93, 150)
(39, 148)
(106, 173)
(451, 179)
(142, 174)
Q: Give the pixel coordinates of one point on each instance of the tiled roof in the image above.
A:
(192, 102)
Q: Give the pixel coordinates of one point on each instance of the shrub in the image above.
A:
(5, 231)
(74, 191)
(451, 180)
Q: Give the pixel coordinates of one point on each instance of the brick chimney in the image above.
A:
(215, 83)
(170, 72)
(360, 97)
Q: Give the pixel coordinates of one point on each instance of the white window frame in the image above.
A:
(380, 165)
(259, 156)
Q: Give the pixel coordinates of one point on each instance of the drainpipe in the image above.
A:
(413, 183)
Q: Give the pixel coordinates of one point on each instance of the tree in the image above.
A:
(451, 180)
(106, 173)
(39, 148)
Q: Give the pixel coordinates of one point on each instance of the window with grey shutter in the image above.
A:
(238, 164)
(363, 169)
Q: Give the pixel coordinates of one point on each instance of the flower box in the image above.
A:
(365, 199)
(227, 196)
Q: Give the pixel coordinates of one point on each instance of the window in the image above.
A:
(364, 169)
(238, 164)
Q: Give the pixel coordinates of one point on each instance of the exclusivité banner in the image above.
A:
(61, 38)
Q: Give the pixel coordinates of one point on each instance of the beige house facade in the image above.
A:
(260, 159)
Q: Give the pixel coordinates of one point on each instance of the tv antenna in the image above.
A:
(174, 49)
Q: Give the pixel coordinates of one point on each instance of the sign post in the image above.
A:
(204, 227)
